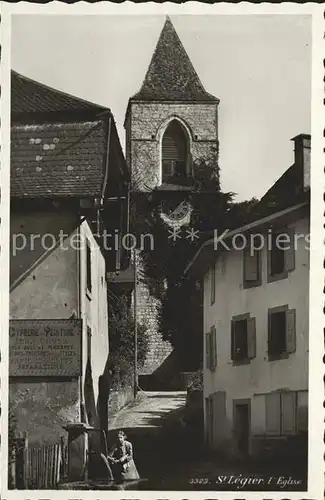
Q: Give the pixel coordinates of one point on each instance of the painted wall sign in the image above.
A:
(45, 348)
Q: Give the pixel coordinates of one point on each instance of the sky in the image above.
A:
(258, 66)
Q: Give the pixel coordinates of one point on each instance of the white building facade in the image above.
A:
(256, 322)
(256, 342)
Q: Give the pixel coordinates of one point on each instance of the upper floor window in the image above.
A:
(243, 338)
(281, 254)
(281, 332)
(174, 154)
(213, 284)
(88, 266)
(252, 267)
(211, 349)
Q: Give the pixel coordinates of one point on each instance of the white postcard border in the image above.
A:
(316, 345)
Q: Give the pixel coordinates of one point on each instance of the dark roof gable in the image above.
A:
(171, 75)
(31, 98)
(288, 190)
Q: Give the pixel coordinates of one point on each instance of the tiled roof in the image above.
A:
(57, 159)
(171, 75)
(31, 97)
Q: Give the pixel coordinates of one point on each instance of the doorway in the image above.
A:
(242, 414)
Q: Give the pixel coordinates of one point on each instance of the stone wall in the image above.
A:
(41, 408)
(144, 130)
(118, 399)
(159, 349)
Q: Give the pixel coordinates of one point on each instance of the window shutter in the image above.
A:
(269, 337)
(288, 412)
(250, 266)
(174, 142)
(289, 254)
(272, 416)
(208, 418)
(207, 350)
(213, 284)
(232, 341)
(213, 334)
(291, 330)
(251, 337)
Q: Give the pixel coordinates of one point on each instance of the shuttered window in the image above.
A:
(281, 332)
(174, 152)
(273, 414)
(289, 255)
(251, 338)
(88, 266)
(291, 330)
(211, 349)
(288, 412)
(213, 284)
(213, 353)
(281, 255)
(208, 350)
(281, 413)
(243, 339)
(252, 268)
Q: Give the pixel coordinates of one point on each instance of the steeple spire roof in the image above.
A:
(171, 75)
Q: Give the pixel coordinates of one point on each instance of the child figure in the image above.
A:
(121, 460)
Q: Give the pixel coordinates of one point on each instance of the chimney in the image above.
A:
(302, 157)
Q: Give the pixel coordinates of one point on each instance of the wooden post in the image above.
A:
(13, 484)
(25, 463)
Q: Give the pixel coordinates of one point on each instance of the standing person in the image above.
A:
(121, 460)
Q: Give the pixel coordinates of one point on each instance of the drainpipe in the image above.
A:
(80, 314)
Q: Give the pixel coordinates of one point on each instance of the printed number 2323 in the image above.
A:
(199, 480)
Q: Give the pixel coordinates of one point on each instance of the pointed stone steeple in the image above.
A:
(171, 75)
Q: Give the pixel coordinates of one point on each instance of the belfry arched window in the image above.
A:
(175, 157)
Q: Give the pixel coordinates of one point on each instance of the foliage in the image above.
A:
(207, 172)
(181, 322)
(242, 212)
(121, 330)
(195, 381)
(12, 425)
(180, 316)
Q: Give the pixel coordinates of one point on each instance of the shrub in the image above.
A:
(122, 346)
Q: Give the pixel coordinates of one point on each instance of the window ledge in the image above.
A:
(278, 357)
(241, 362)
(164, 186)
(252, 284)
(273, 436)
(277, 277)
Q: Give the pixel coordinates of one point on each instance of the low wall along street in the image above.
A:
(44, 348)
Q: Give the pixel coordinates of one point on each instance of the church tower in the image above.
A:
(172, 122)
(171, 129)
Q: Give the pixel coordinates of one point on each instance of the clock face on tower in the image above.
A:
(176, 213)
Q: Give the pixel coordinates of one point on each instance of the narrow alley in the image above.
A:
(169, 455)
(153, 423)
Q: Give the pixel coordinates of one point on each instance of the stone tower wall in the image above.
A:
(144, 125)
(147, 314)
